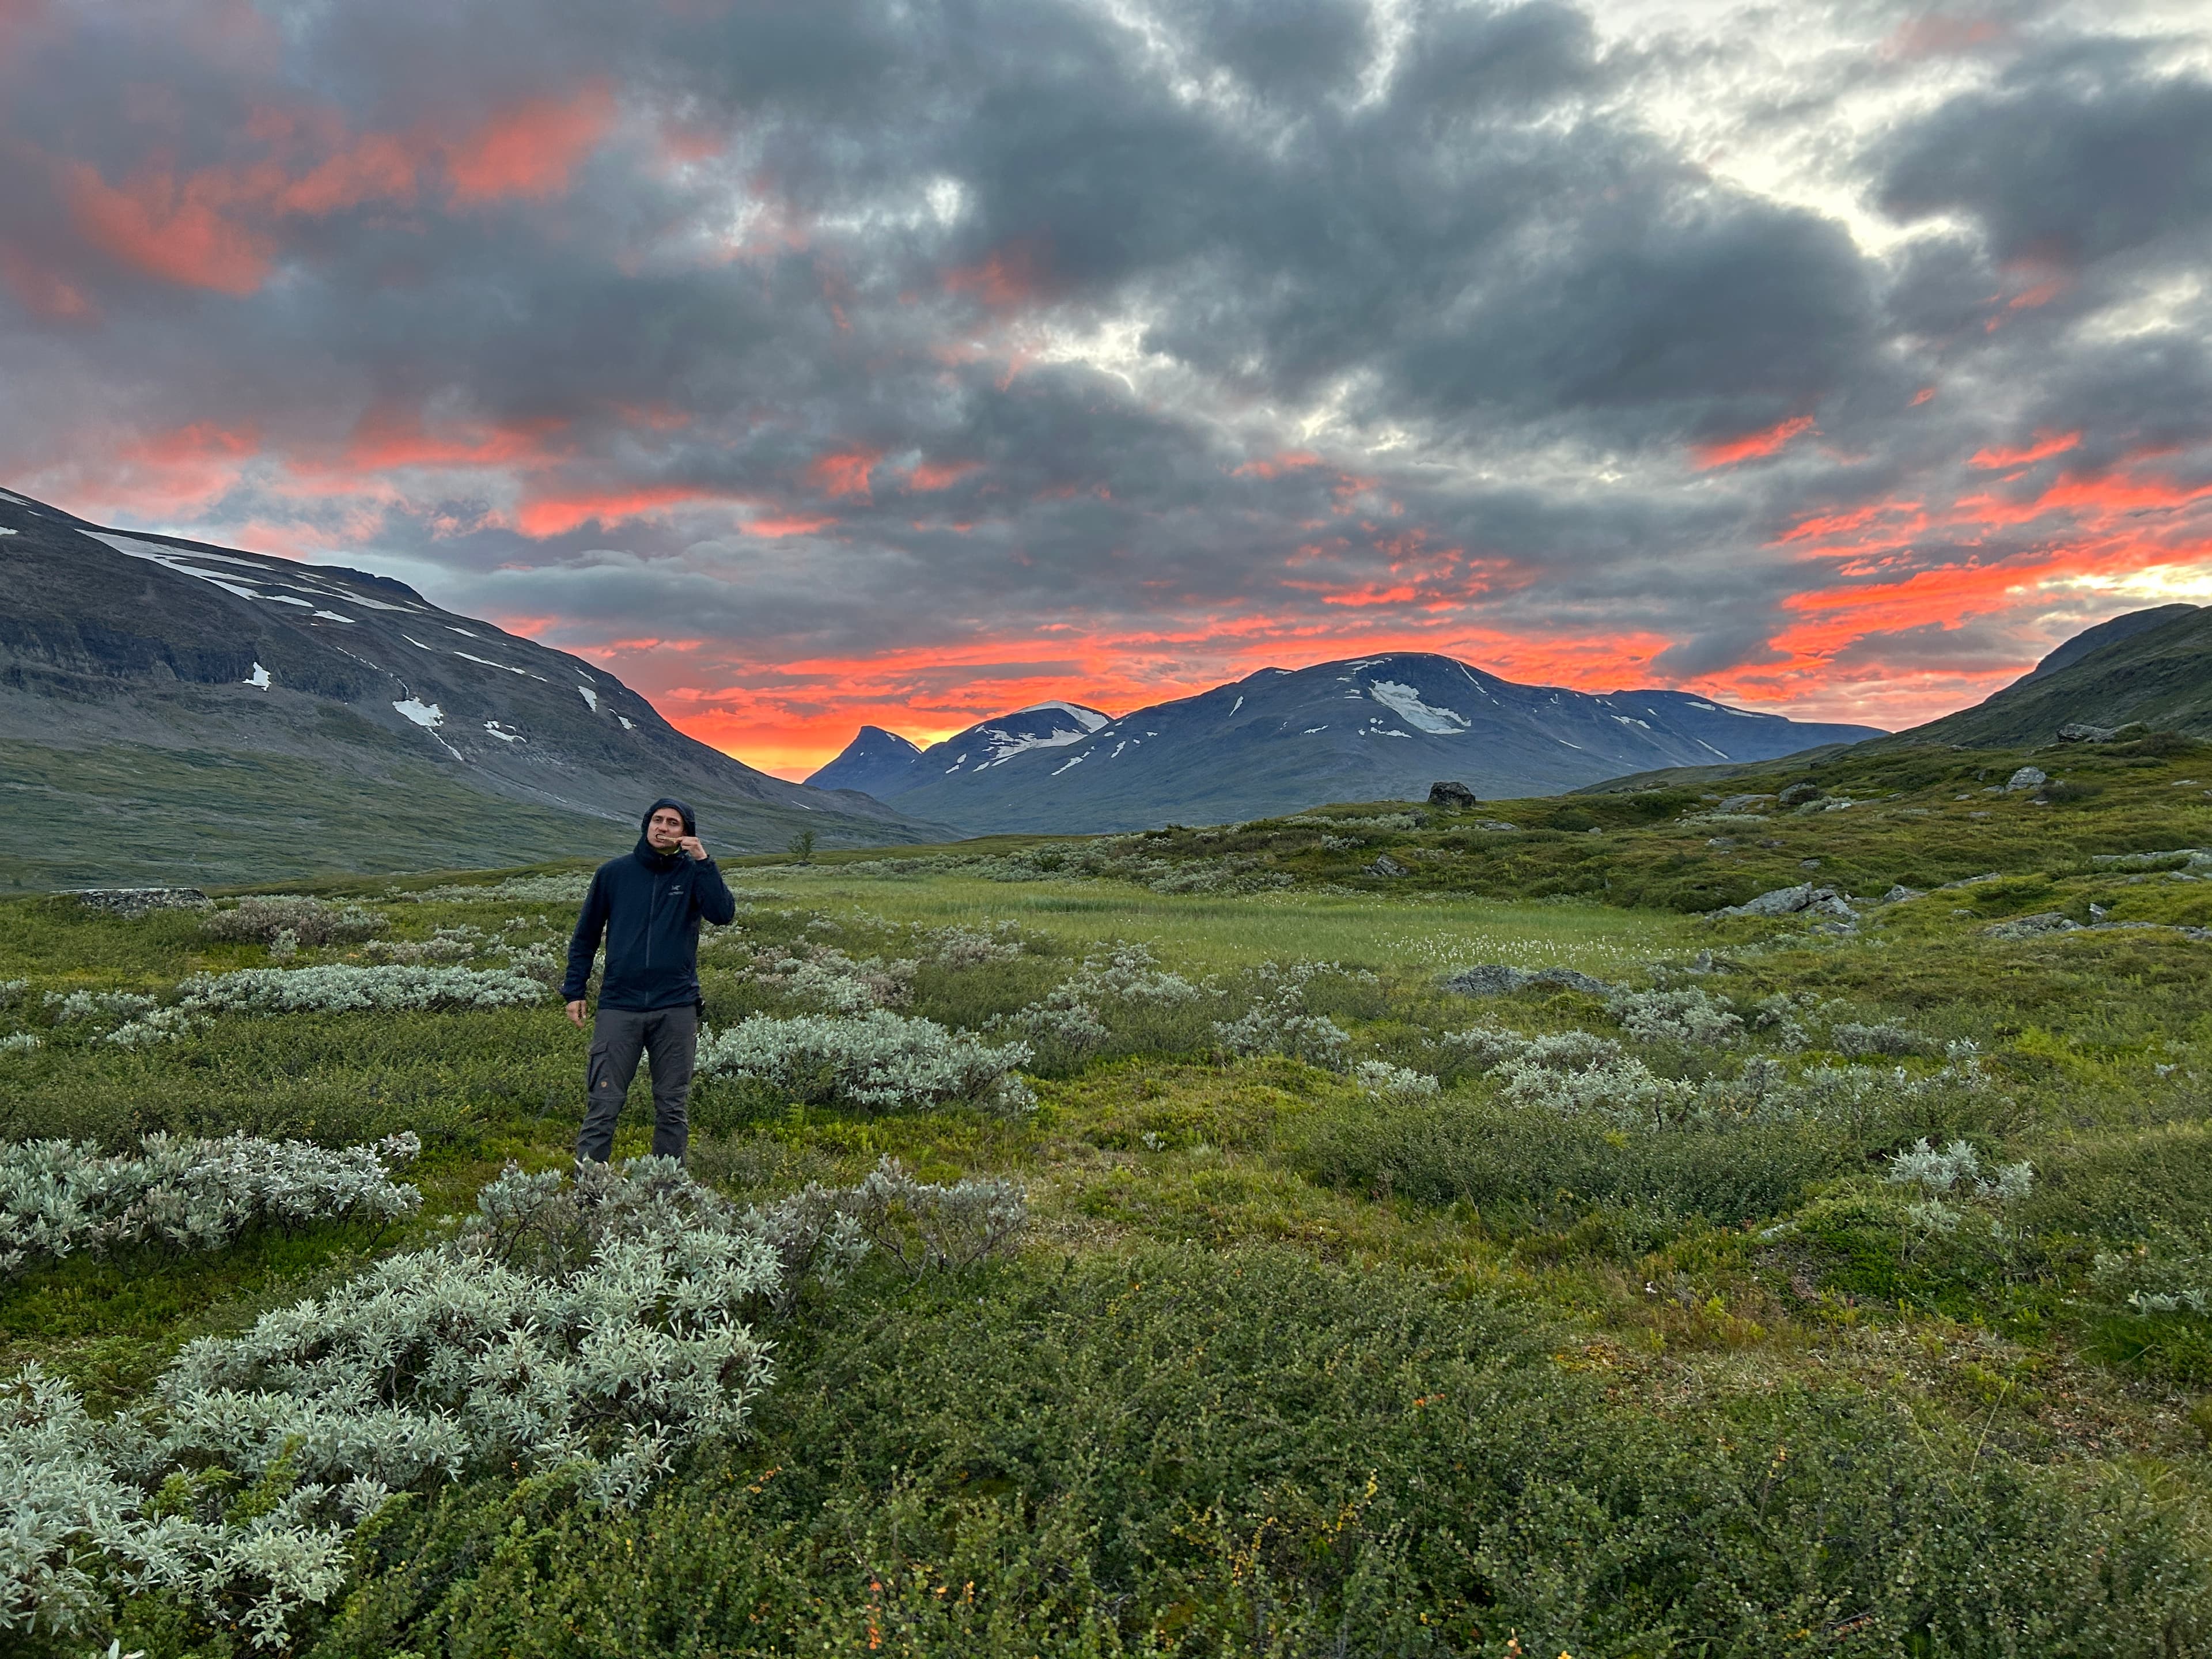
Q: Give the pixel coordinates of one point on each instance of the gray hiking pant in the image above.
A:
(670, 1037)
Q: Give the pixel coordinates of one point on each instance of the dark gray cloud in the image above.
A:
(1149, 339)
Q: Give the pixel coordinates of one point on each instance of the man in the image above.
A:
(649, 905)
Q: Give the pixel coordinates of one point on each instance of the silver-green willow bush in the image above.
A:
(597, 1322)
(59, 1197)
(876, 1060)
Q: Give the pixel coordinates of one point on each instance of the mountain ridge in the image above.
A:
(2153, 666)
(1280, 740)
(159, 663)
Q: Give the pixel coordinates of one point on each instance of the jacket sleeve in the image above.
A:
(584, 943)
(711, 894)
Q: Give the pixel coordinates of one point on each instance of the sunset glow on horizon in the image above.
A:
(904, 365)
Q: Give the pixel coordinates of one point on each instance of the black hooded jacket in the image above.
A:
(649, 906)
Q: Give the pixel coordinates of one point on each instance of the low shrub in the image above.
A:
(876, 1061)
(1515, 1162)
(594, 1325)
(1251, 1452)
(58, 1197)
(309, 922)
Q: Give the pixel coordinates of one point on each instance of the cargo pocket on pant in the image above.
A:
(598, 1072)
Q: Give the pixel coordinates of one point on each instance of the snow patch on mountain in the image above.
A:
(1406, 703)
(427, 715)
(1090, 717)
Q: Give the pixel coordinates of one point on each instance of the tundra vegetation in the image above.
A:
(1760, 1217)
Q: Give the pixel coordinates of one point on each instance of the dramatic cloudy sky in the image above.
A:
(816, 362)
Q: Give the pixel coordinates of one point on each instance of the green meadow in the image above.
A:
(1833, 1280)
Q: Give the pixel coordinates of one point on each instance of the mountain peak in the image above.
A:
(1382, 726)
(184, 663)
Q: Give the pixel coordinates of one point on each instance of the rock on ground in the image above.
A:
(139, 901)
(1790, 902)
(1495, 979)
(1457, 797)
(2044, 921)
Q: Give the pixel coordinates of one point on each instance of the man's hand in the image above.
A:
(576, 1013)
(694, 847)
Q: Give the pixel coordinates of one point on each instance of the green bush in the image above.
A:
(1250, 1454)
(1517, 1162)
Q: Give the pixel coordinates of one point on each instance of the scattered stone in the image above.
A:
(135, 901)
(1489, 979)
(1809, 863)
(1978, 814)
(2193, 858)
(1900, 894)
(2081, 732)
(2028, 777)
(1971, 881)
(1494, 823)
(1384, 865)
(1738, 803)
(1706, 962)
(2197, 933)
(1791, 901)
(1495, 979)
(1798, 793)
(1453, 797)
(1769, 841)
(2044, 921)
(1726, 843)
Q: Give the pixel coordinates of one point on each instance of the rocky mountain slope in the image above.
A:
(1364, 729)
(2151, 666)
(176, 711)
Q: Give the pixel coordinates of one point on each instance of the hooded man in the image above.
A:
(649, 906)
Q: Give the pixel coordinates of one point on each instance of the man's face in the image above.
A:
(664, 829)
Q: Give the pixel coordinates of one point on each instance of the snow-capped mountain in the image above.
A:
(1369, 728)
(884, 764)
(227, 694)
(875, 762)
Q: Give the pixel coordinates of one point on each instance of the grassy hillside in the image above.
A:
(133, 814)
(2161, 676)
(1607, 1317)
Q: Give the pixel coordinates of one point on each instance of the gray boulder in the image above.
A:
(1384, 865)
(1495, 979)
(2034, 926)
(1798, 793)
(1790, 901)
(1453, 797)
(142, 901)
(1900, 893)
(2028, 777)
(1740, 803)
(2080, 732)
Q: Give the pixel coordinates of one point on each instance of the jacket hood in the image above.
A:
(690, 819)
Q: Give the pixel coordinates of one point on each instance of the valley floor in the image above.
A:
(1827, 1280)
